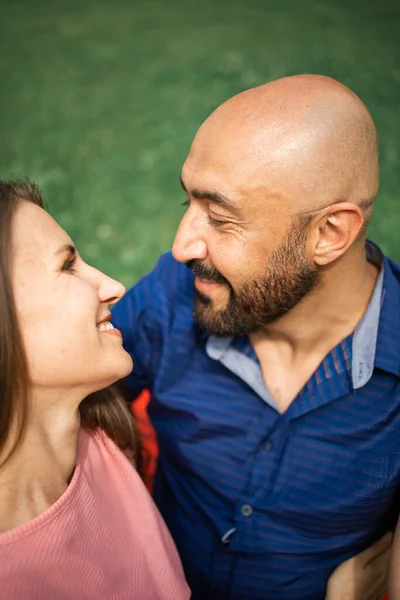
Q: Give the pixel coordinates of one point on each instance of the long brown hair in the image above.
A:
(105, 409)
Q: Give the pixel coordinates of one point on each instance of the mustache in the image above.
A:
(209, 274)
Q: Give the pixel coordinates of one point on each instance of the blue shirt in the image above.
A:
(264, 505)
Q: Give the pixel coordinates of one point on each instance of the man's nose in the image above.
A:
(190, 240)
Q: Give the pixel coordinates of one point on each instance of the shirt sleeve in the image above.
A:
(134, 316)
(155, 318)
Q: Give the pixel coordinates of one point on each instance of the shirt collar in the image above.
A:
(366, 332)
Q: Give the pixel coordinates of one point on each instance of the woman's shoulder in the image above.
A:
(106, 505)
(96, 446)
(105, 466)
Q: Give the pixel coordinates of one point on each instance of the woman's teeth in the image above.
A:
(105, 326)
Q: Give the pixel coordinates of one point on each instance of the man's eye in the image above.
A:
(185, 204)
(69, 265)
(216, 222)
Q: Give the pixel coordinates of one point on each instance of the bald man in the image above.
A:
(270, 341)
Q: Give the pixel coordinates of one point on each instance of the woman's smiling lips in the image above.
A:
(108, 327)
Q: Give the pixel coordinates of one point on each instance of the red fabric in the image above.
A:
(148, 438)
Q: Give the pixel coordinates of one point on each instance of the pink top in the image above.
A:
(103, 539)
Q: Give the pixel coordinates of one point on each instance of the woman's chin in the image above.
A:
(128, 366)
(119, 370)
(124, 367)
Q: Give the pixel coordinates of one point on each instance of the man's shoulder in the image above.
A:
(172, 274)
(394, 268)
(169, 283)
(392, 276)
(387, 354)
(158, 305)
(376, 256)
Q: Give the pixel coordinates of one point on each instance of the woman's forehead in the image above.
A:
(34, 230)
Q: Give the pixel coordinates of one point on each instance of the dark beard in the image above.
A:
(259, 302)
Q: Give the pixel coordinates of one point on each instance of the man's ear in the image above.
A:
(334, 231)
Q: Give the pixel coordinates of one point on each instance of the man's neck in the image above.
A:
(38, 471)
(331, 312)
(290, 349)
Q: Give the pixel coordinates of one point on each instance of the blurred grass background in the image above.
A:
(99, 101)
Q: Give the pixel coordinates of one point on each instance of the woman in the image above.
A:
(75, 519)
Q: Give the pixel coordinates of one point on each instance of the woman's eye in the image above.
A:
(69, 265)
(185, 204)
(216, 222)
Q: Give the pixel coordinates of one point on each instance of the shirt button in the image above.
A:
(267, 445)
(246, 510)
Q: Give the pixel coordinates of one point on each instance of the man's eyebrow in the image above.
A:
(212, 196)
(67, 248)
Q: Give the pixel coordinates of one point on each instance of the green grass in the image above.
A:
(99, 101)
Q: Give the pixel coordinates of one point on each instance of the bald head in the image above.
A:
(307, 138)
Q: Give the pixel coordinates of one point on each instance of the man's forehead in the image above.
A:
(217, 171)
(209, 184)
(236, 162)
(247, 192)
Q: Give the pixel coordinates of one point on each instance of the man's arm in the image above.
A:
(145, 316)
(363, 577)
(131, 316)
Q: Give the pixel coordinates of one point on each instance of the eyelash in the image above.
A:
(215, 222)
(68, 266)
(212, 222)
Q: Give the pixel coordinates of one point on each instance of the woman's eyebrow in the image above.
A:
(66, 247)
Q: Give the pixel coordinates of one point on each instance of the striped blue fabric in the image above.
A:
(242, 344)
(263, 505)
